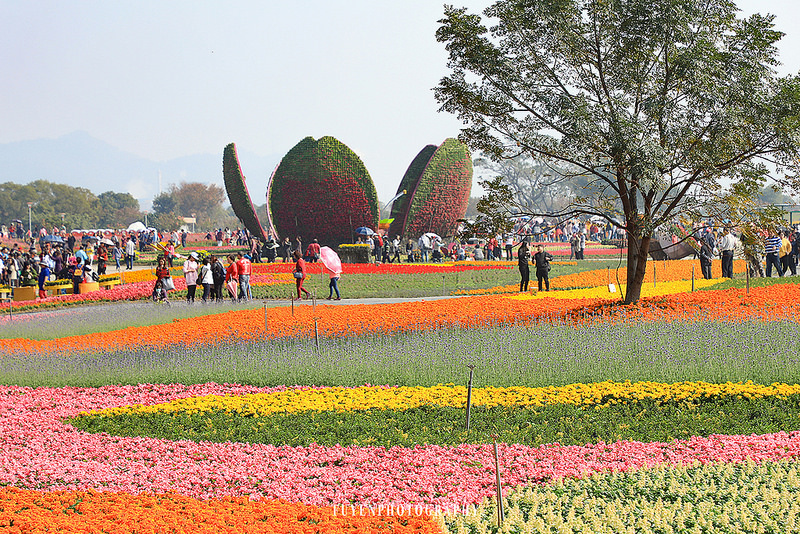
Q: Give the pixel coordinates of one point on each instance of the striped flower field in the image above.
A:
(680, 414)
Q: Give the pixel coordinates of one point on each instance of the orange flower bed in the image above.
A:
(90, 511)
(777, 302)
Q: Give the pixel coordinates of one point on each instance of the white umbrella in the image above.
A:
(107, 241)
(432, 236)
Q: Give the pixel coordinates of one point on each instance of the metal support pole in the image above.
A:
(469, 394)
(316, 334)
(748, 279)
(266, 323)
(292, 297)
(500, 514)
(692, 278)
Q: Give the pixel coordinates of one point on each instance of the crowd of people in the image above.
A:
(780, 250)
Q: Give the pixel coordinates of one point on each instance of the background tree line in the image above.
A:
(82, 209)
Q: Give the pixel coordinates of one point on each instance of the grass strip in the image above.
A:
(646, 421)
(540, 355)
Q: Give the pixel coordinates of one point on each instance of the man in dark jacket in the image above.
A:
(542, 261)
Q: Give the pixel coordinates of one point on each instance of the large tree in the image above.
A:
(201, 199)
(118, 210)
(667, 108)
(534, 185)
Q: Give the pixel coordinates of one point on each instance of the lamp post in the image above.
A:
(145, 219)
(388, 204)
(30, 225)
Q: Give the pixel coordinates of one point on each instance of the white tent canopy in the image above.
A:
(138, 226)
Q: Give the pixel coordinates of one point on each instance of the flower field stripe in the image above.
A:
(772, 303)
(404, 398)
(718, 497)
(40, 452)
(92, 511)
(665, 271)
(662, 289)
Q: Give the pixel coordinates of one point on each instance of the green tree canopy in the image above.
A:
(117, 210)
(668, 108)
(80, 206)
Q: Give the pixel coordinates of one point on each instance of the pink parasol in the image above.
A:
(330, 259)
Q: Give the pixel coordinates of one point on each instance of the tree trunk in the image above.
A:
(638, 248)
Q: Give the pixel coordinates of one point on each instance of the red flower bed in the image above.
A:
(439, 197)
(321, 190)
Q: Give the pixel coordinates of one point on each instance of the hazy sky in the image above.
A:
(164, 79)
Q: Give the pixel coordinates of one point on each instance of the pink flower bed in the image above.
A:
(41, 452)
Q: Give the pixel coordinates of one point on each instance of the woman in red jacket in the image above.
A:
(300, 273)
(162, 273)
(232, 277)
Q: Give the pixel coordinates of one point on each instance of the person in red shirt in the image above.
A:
(243, 270)
(232, 277)
(162, 273)
(312, 252)
(300, 273)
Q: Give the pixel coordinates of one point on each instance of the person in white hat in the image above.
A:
(190, 274)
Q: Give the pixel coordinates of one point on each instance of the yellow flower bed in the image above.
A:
(142, 275)
(661, 289)
(404, 398)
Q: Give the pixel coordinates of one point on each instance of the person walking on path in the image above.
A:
(312, 252)
(116, 253)
(706, 256)
(300, 273)
(218, 271)
(170, 252)
(206, 278)
(243, 268)
(523, 259)
(510, 247)
(726, 247)
(785, 254)
(162, 273)
(542, 261)
(581, 246)
(286, 249)
(334, 284)
(772, 246)
(190, 274)
(130, 253)
(232, 277)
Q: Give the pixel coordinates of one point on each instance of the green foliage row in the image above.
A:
(645, 421)
(237, 192)
(728, 498)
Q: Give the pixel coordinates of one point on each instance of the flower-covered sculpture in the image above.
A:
(321, 190)
(238, 195)
(437, 184)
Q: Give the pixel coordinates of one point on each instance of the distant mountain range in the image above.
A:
(80, 160)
